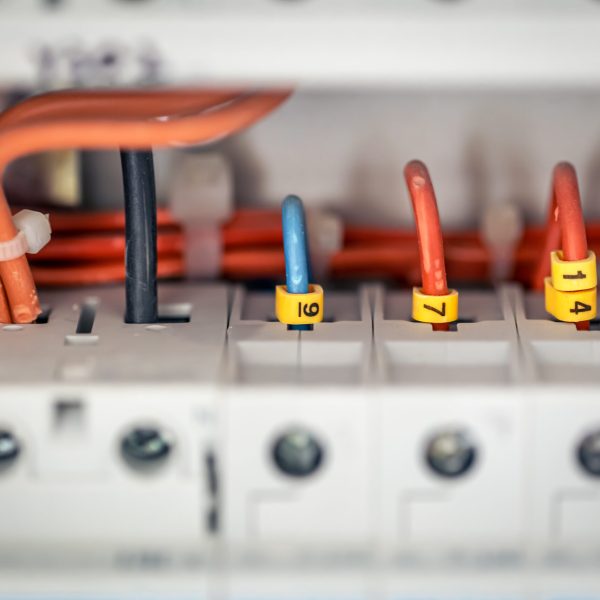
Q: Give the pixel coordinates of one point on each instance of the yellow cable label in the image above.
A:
(434, 309)
(572, 275)
(299, 309)
(571, 307)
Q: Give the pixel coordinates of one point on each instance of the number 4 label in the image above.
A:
(580, 307)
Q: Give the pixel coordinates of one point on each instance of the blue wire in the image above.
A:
(297, 264)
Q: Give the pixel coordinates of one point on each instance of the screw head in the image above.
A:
(588, 453)
(297, 453)
(9, 448)
(146, 447)
(451, 453)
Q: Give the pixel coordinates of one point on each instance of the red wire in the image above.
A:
(254, 235)
(104, 246)
(82, 222)
(100, 273)
(429, 232)
(565, 226)
(566, 194)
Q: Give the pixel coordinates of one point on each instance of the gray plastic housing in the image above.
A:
(372, 387)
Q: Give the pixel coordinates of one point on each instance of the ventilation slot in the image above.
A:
(85, 324)
(175, 313)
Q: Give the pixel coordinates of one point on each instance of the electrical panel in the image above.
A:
(220, 394)
(298, 299)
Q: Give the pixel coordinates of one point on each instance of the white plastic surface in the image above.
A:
(564, 365)
(368, 383)
(315, 381)
(36, 227)
(408, 42)
(201, 190)
(70, 485)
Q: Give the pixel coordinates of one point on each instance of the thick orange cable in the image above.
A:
(565, 227)
(108, 132)
(139, 104)
(429, 232)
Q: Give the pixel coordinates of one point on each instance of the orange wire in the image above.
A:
(4, 309)
(92, 222)
(249, 236)
(393, 260)
(101, 247)
(138, 104)
(565, 226)
(100, 132)
(429, 232)
(100, 273)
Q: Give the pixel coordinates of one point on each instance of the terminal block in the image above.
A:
(104, 425)
(563, 367)
(295, 428)
(452, 428)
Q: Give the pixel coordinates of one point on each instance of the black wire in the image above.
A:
(141, 305)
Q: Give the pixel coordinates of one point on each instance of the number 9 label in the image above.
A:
(299, 309)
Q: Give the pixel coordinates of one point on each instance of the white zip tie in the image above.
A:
(14, 248)
(34, 233)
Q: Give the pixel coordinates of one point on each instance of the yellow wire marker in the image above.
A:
(299, 309)
(570, 291)
(434, 309)
(570, 307)
(573, 275)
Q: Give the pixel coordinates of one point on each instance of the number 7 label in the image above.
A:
(435, 309)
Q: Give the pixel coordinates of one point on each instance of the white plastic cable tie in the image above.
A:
(34, 233)
(203, 250)
(501, 229)
(325, 238)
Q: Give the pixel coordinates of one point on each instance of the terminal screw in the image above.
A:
(297, 453)
(145, 447)
(451, 453)
(9, 448)
(589, 454)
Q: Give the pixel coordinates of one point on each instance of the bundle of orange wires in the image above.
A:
(108, 120)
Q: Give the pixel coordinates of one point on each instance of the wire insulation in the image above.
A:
(141, 303)
(429, 232)
(565, 227)
(295, 249)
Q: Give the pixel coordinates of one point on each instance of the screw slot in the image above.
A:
(146, 448)
(451, 453)
(588, 454)
(10, 448)
(297, 453)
